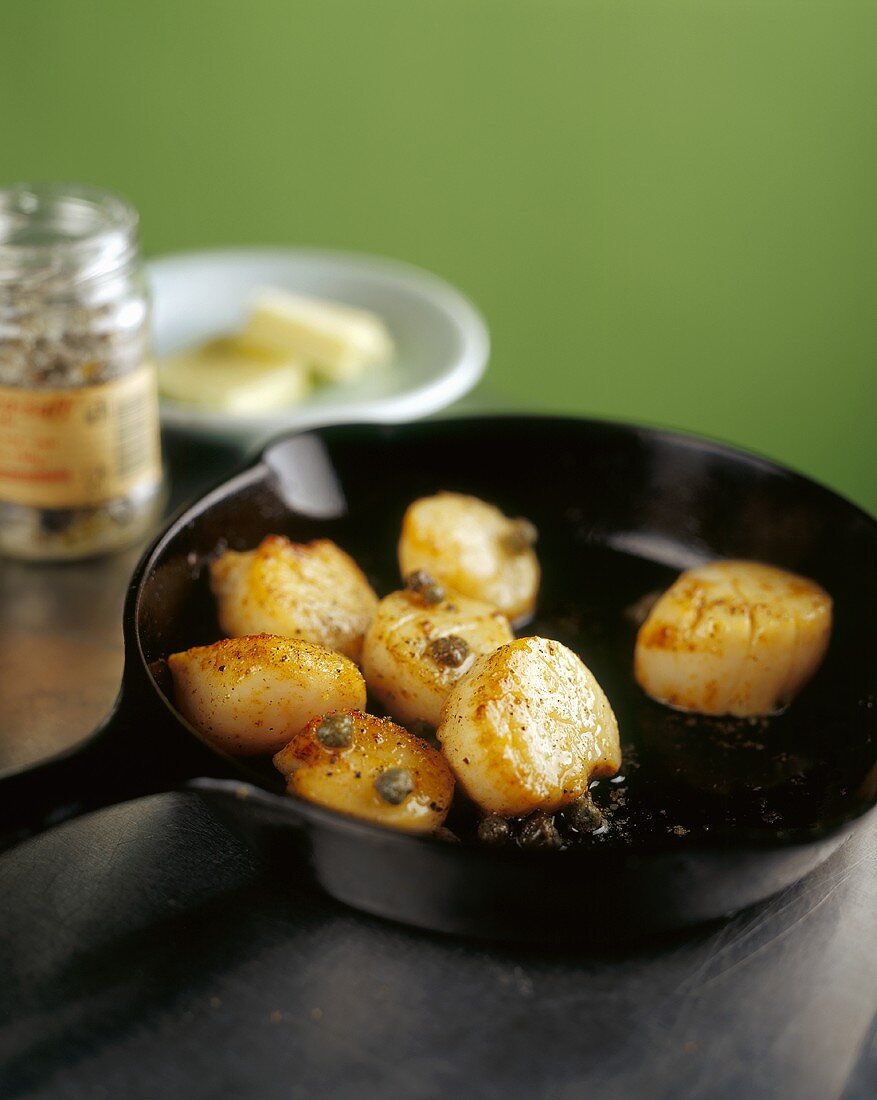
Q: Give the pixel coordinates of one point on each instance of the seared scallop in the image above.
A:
(314, 591)
(474, 549)
(369, 768)
(527, 729)
(250, 695)
(416, 650)
(733, 637)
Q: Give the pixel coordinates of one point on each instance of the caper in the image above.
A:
(425, 586)
(539, 831)
(522, 536)
(394, 785)
(494, 830)
(452, 650)
(336, 731)
(584, 815)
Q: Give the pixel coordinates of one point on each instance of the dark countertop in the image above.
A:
(145, 953)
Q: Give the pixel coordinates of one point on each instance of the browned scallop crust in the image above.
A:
(345, 778)
(250, 695)
(314, 591)
(528, 728)
(470, 546)
(402, 657)
(733, 637)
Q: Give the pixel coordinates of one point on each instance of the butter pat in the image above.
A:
(339, 342)
(232, 374)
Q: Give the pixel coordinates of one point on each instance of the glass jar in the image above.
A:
(80, 458)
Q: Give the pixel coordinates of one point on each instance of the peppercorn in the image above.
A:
(494, 830)
(539, 831)
(394, 785)
(584, 816)
(522, 536)
(452, 650)
(335, 731)
(425, 586)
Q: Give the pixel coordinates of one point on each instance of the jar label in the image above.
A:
(70, 448)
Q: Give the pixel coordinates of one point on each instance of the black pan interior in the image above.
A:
(620, 511)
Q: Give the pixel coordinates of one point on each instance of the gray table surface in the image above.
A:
(145, 953)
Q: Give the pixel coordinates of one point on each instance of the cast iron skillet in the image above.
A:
(710, 815)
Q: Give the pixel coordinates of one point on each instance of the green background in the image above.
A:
(665, 209)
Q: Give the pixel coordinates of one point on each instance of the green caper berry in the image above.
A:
(425, 585)
(336, 731)
(494, 830)
(522, 536)
(539, 831)
(584, 816)
(394, 785)
(452, 650)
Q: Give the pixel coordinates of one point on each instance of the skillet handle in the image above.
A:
(126, 757)
(257, 814)
(271, 824)
(231, 798)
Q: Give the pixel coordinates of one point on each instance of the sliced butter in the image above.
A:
(340, 342)
(232, 374)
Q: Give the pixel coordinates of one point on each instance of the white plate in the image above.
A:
(441, 340)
